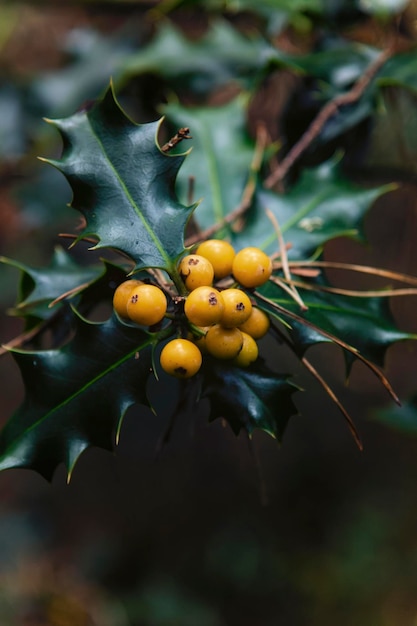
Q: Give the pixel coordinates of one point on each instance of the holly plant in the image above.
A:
(209, 269)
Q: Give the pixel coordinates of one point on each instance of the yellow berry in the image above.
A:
(249, 352)
(200, 341)
(180, 358)
(147, 305)
(204, 306)
(257, 324)
(223, 343)
(196, 271)
(121, 296)
(251, 267)
(220, 253)
(237, 307)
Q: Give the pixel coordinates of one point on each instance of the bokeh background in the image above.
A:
(211, 531)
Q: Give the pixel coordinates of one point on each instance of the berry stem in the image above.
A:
(177, 280)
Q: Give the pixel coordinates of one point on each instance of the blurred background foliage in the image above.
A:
(181, 538)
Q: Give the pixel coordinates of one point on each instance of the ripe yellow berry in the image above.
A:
(237, 307)
(220, 253)
(180, 358)
(223, 343)
(196, 271)
(248, 353)
(121, 296)
(257, 324)
(147, 305)
(204, 306)
(200, 341)
(251, 267)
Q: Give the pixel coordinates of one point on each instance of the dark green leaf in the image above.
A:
(366, 324)
(123, 184)
(253, 398)
(40, 286)
(77, 396)
(321, 206)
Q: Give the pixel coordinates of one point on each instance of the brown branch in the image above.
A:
(183, 133)
(328, 111)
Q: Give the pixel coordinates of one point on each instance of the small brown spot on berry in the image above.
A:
(240, 306)
(180, 371)
(212, 299)
(134, 298)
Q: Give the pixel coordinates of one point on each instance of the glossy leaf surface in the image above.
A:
(253, 398)
(123, 184)
(76, 396)
(41, 286)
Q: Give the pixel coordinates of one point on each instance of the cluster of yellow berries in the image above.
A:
(223, 322)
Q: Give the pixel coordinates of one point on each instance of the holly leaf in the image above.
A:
(363, 323)
(76, 396)
(253, 398)
(322, 205)
(220, 160)
(218, 57)
(38, 287)
(221, 55)
(123, 184)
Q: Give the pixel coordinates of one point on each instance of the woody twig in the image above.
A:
(183, 133)
(328, 111)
